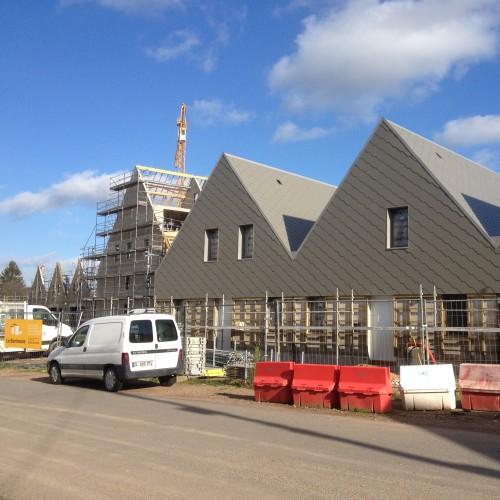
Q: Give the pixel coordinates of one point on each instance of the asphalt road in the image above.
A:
(79, 442)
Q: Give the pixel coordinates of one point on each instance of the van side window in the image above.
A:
(166, 331)
(79, 337)
(141, 330)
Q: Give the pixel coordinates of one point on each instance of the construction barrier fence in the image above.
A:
(342, 331)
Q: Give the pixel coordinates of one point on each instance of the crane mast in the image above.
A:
(180, 153)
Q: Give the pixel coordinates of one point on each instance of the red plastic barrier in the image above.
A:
(480, 386)
(273, 381)
(316, 385)
(367, 388)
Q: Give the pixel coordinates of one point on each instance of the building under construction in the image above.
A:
(404, 254)
(135, 227)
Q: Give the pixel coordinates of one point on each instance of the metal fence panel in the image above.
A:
(344, 331)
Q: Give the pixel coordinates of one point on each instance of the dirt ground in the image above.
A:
(206, 390)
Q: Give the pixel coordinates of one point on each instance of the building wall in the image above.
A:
(123, 272)
(347, 248)
(225, 204)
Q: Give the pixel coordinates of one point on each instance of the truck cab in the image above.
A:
(52, 329)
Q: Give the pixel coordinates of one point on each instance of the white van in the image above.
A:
(119, 348)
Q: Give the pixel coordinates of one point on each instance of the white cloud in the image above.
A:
(209, 63)
(131, 7)
(210, 112)
(221, 23)
(367, 51)
(486, 157)
(183, 43)
(289, 132)
(86, 188)
(471, 131)
(179, 43)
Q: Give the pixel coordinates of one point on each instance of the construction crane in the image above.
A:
(180, 153)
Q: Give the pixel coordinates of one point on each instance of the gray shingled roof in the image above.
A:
(290, 203)
(475, 188)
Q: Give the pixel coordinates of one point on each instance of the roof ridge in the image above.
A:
(229, 155)
(290, 203)
(474, 188)
(430, 141)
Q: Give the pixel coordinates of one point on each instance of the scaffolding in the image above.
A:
(135, 228)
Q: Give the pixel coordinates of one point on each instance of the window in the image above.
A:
(397, 227)
(79, 337)
(140, 331)
(165, 329)
(48, 319)
(245, 242)
(211, 245)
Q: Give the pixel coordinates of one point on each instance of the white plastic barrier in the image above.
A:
(194, 361)
(427, 387)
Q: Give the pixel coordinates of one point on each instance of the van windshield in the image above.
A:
(141, 330)
(166, 330)
(47, 318)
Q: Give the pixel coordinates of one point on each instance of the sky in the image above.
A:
(91, 88)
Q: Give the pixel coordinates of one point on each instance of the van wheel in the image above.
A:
(168, 381)
(111, 381)
(55, 374)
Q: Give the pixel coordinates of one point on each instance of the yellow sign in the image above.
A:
(23, 333)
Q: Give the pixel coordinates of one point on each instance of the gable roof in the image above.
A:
(475, 188)
(79, 283)
(348, 247)
(290, 203)
(343, 244)
(38, 291)
(238, 193)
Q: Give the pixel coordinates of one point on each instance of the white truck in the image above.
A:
(52, 329)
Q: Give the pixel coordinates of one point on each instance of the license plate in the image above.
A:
(142, 364)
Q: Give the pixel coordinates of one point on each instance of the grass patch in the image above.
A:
(218, 382)
(360, 410)
(23, 367)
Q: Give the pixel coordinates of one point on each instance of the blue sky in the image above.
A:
(90, 88)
